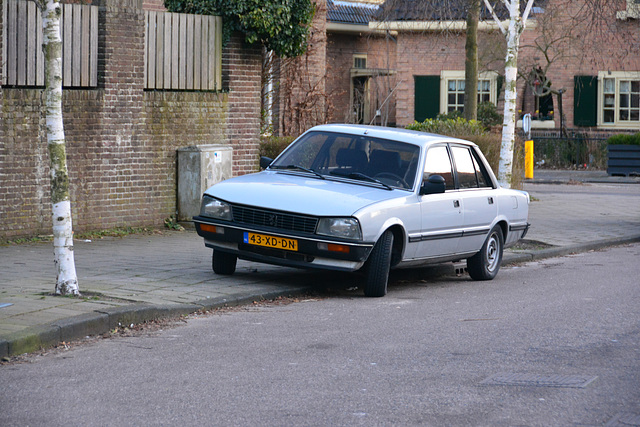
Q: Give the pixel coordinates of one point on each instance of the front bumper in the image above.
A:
(312, 250)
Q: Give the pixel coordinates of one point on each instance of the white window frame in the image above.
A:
(357, 56)
(447, 75)
(617, 76)
(632, 11)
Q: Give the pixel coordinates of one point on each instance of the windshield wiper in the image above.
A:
(319, 175)
(362, 177)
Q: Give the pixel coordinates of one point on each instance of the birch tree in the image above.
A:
(66, 278)
(517, 23)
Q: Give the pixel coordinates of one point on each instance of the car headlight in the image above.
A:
(215, 208)
(346, 228)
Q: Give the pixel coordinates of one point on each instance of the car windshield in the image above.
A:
(357, 157)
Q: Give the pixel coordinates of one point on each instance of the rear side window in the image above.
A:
(481, 174)
(470, 170)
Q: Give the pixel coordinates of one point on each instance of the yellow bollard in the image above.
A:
(528, 159)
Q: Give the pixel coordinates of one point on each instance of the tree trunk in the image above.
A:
(510, 94)
(66, 281)
(471, 62)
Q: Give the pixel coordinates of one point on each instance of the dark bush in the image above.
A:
(449, 126)
(488, 115)
(624, 139)
(272, 146)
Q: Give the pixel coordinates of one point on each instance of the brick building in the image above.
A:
(121, 134)
(396, 61)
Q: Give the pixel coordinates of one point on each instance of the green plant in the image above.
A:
(624, 139)
(454, 114)
(488, 115)
(272, 146)
(172, 223)
(23, 240)
(86, 235)
(281, 25)
(449, 126)
(112, 232)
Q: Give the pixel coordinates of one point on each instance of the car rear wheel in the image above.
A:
(378, 265)
(485, 264)
(223, 262)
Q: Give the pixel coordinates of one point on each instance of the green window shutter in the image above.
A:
(427, 97)
(585, 100)
(499, 84)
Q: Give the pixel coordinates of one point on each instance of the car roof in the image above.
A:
(397, 134)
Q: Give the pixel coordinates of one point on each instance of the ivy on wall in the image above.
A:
(281, 25)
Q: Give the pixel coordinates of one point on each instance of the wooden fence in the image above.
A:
(22, 52)
(183, 52)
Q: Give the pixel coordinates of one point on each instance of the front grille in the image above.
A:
(274, 219)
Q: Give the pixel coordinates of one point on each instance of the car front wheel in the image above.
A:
(223, 262)
(378, 265)
(485, 264)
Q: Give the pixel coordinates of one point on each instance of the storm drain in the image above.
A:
(625, 419)
(572, 381)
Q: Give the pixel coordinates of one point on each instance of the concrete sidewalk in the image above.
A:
(144, 277)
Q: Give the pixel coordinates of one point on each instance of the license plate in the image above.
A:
(271, 241)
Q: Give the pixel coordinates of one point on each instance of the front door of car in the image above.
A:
(441, 214)
(480, 206)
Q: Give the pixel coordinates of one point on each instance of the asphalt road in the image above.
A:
(551, 343)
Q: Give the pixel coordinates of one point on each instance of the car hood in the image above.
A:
(293, 192)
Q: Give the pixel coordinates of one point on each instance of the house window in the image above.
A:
(631, 12)
(620, 99)
(360, 61)
(452, 90)
(455, 95)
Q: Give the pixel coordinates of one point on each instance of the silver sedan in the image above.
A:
(347, 197)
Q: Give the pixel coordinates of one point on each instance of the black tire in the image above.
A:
(485, 264)
(223, 263)
(378, 265)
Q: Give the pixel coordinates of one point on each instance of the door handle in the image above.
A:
(490, 199)
(456, 203)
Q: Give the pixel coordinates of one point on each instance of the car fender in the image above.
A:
(501, 219)
(403, 213)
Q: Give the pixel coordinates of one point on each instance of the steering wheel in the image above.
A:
(393, 176)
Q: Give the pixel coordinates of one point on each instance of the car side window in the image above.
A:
(481, 173)
(438, 163)
(465, 169)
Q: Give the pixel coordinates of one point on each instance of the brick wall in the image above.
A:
(299, 94)
(242, 68)
(423, 54)
(157, 5)
(381, 54)
(122, 140)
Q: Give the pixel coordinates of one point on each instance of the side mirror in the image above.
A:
(435, 184)
(265, 162)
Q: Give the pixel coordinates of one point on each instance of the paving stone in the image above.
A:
(175, 267)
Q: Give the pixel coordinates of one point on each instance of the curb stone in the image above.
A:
(102, 321)
(525, 256)
(139, 313)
